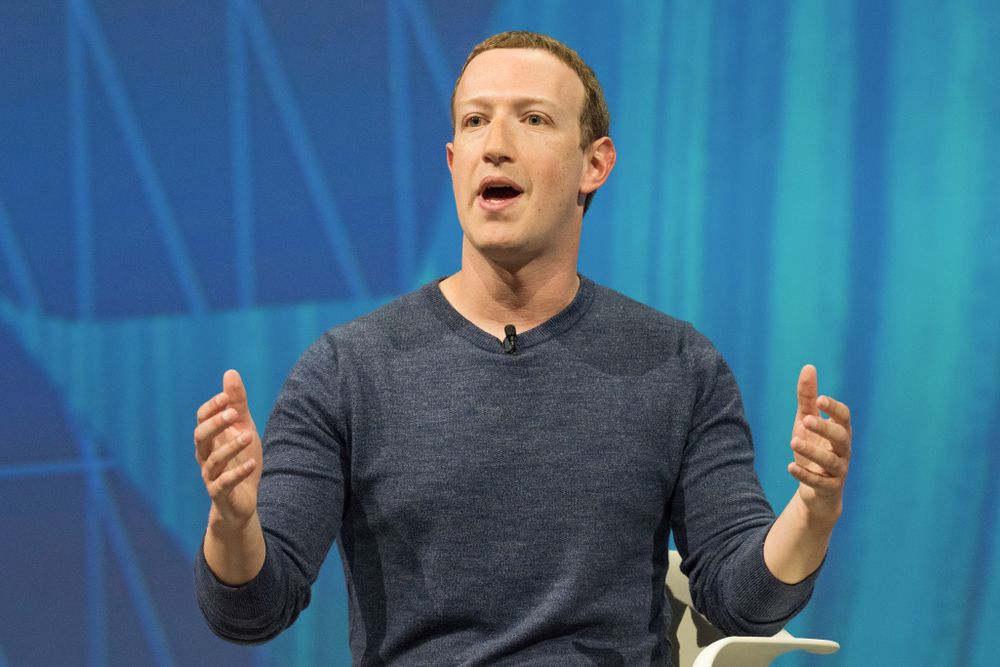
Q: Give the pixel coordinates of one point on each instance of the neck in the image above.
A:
(491, 295)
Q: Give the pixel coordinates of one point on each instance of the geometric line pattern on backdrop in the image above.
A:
(93, 557)
(48, 341)
(81, 17)
(71, 353)
(104, 526)
(440, 252)
(239, 140)
(245, 13)
(102, 517)
(103, 523)
(402, 97)
(12, 254)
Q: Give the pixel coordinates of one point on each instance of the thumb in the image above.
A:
(807, 391)
(232, 385)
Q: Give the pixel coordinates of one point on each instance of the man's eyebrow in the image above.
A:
(493, 100)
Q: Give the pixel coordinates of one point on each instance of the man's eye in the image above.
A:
(535, 119)
(474, 121)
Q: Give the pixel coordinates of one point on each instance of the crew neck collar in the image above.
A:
(551, 328)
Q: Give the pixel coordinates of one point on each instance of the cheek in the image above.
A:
(460, 175)
(562, 173)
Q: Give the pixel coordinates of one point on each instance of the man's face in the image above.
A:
(516, 163)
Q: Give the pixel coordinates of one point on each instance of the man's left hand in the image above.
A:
(822, 449)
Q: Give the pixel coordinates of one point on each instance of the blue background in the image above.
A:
(191, 186)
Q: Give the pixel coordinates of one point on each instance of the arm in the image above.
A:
(257, 569)
(719, 513)
(798, 540)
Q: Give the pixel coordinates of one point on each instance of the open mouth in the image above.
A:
(499, 193)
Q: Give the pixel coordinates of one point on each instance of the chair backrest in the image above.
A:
(690, 632)
(695, 642)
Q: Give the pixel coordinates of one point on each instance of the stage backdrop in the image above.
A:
(191, 186)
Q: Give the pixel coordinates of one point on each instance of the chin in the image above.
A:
(507, 253)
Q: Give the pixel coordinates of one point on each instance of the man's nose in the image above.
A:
(498, 146)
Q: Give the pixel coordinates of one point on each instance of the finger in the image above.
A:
(828, 462)
(806, 390)
(206, 432)
(216, 463)
(232, 386)
(799, 430)
(821, 483)
(839, 412)
(211, 406)
(228, 480)
(831, 431)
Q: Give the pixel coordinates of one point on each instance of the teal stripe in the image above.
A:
(809, 265)
(640, 34)
(153, 373)
(682, 164)
(924, 344)
(48, 469)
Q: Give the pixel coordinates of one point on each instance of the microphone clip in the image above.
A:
(510, 341)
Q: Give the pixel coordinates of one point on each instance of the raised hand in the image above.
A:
(229, 452)
(822, 448)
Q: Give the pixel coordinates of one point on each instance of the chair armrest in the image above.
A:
(758, 651)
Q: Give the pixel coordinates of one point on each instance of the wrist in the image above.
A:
(818, 512)
(234, 553)
(230, 529)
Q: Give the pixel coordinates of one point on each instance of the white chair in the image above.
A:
(697, 643)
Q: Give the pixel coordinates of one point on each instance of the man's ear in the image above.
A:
(449, 149)
(600, 162)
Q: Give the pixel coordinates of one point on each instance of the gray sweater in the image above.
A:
(495, 508)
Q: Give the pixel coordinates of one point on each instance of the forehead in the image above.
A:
(509, 74)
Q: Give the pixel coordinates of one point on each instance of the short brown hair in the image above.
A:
(595, 121)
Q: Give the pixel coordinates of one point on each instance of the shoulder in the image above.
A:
(406, 322)
(632, 337)
(344, 357)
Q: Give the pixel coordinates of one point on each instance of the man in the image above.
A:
(501, 455)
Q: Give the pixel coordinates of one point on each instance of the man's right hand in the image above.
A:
(228, 449)
(229, 452)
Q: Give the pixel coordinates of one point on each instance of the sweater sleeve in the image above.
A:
(720, 515)
(300, 502)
